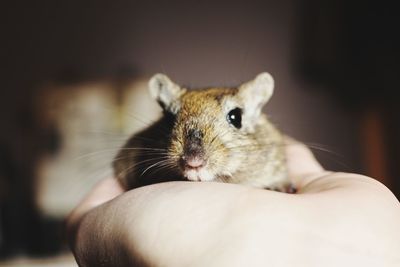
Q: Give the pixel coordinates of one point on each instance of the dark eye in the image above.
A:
(234, 117)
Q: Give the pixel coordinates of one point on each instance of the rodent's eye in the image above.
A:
(234, 117)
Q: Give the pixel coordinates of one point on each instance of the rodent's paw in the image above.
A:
(291, 189)
(287, 188)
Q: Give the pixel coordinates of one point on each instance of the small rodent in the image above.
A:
(211, 134)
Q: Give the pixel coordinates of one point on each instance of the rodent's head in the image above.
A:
(212, 126)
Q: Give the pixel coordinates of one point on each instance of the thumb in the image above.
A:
(301, 163)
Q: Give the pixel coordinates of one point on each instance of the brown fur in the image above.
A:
(252, 155)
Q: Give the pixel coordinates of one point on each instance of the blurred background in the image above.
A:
(73, 87)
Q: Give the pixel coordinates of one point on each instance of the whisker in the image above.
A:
(135, 156)
(139, 137)
(142, 162)
(167, 166)
(265, 147)
(149, 121)
(151, 166)
(118, 149)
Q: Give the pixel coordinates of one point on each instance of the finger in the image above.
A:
(103, 191)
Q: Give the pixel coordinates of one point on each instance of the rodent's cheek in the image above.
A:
(175, 149)
(217, 158)
(233, 155)
(217, 162)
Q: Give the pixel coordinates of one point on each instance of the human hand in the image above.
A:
(335, 219)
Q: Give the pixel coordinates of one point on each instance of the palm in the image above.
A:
(336, 219)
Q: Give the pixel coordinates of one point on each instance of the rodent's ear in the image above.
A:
(166, 92)
(256, 93)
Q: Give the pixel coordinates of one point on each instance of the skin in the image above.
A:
(336, 219)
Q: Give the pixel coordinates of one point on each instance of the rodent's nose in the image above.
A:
(193, 152)
(193, 162)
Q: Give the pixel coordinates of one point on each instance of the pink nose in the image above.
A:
(194, 162)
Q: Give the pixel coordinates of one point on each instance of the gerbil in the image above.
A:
(213, 134)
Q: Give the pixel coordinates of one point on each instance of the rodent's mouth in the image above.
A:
(198, 174)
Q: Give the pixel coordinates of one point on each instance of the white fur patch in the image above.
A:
(201, 174)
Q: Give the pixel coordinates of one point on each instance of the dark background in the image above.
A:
(335, 64)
